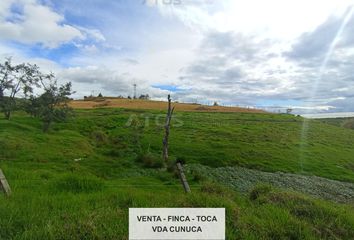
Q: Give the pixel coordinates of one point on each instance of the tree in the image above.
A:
(32, 106)
(15, 79)
(5, 70)
(52, 105)
(100, 95)
(144, 97)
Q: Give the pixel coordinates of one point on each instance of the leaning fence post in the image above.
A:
(4, 185)
(183, 177)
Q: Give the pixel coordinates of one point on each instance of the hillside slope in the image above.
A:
(78, 181)
(340, 122)
(117, 137)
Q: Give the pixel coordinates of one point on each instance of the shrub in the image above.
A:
(259, 190)
(349, 123)
(214, 188)
(99, 138)
(198, 177)
(150, 160)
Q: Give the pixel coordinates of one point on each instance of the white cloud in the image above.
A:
(273, 18)
(229, 51)
(92, 33)
(4, 7)
(110, 82)
(37, 23)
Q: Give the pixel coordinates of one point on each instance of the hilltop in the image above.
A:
(110, 102)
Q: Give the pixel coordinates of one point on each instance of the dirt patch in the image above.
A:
(101, 104)
(157, 105)
(203, 108)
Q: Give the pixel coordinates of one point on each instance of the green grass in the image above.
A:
(346, 122)
(104, 142)
(78, 181)
(93, 209)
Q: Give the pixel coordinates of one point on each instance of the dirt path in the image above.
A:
(243, 179)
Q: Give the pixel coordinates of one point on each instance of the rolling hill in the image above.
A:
(110, 102)
(78, 181)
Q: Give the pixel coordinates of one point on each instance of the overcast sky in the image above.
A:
(296, 54)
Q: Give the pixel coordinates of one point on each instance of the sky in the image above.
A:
(297, 54)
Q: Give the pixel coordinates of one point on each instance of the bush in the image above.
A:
(214, 188)
(99, 138)
(198, 177)
(150, 160)
(349, 123)
(259, 190)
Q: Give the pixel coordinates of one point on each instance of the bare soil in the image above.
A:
(157, 105)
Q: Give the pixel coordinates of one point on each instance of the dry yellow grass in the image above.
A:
(149, 104)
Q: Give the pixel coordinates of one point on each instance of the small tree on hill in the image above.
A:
(52, 105)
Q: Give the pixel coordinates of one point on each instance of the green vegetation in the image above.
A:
(78, 180)
(51, 106)
(108, 139)
(340, 122)
(16, 79)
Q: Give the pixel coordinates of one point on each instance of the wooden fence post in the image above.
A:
(4, 184)
(165, 147)
(167, 130)
(183, 178)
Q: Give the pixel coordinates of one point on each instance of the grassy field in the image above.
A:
(340, 122)
(78, 181)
